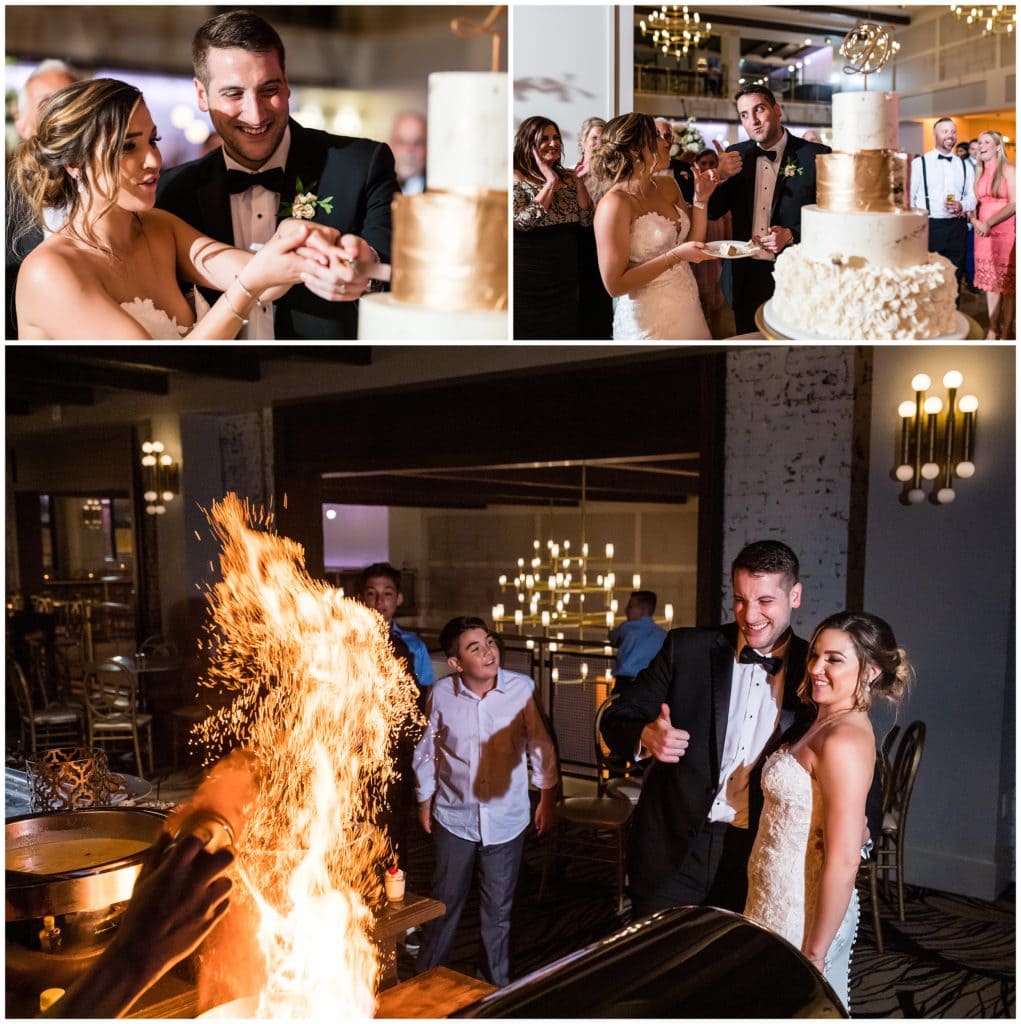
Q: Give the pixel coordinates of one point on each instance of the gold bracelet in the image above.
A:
(244, 322)
(237, 278)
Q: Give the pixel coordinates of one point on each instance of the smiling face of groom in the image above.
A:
(246, 95)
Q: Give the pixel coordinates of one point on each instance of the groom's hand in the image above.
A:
(730, 163)
(342, 278)
(662, 740)
(775, 238)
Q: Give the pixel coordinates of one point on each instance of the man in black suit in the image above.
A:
(765, 183)
(236, 194)
(732, 692)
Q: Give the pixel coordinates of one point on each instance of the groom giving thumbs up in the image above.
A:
(765, 183)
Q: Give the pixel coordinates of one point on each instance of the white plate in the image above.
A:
(960, 331)
(746, 249)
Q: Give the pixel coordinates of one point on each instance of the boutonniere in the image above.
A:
(303, 205)
(790, 168)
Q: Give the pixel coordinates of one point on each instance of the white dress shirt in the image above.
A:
(473, 757)
(953, 177)
(253, 214)
(755, 702)
(766, 173)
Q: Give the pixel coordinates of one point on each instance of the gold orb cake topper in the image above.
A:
(867, 48)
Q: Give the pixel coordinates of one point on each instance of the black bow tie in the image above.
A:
(769, 154)
(750, 656)
(240, 181)
(940, 156)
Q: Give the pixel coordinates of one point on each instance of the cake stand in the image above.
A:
(966, 329)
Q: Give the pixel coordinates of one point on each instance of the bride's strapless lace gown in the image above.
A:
(785, 868)
(666, 308)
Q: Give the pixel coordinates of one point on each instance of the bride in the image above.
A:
(647, 236)
(807, 849)
(111, 269)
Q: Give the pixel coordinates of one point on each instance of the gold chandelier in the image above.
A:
(998, 20)
(676, 29)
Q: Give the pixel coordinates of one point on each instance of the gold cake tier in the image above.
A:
(450, 250)
(870, 181)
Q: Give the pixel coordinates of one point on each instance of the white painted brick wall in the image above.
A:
(787, 465)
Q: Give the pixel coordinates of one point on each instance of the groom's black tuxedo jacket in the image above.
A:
(793, 191)
(358, 173)
(693, 674)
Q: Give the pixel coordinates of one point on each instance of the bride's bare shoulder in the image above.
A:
(57, 259)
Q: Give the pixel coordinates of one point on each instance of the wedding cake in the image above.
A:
(450, 243)
(863, 269)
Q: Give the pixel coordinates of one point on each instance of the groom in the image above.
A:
(236, 194)
(765, 183)
(708, 710)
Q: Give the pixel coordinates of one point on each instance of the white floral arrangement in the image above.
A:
(303, 205)
(687, 138)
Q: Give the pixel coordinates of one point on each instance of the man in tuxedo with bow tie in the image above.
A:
(707, 711)
(765, 183)
(237, 193)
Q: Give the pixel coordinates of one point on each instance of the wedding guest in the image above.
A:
(638, 638)
(647, 236)
(708, 274)
(803, 866)
(678, 167)
(471, 770)
(962, 150)
(234, 195)
(111, 270)
(812, 136)
(595, 307)
(995, 228)
(408, 137)
(712, 705)
(944, 184)
(973, 156)
(550, 203)
(766, 182)
(969, 259)
(46, 79)
(380, 588)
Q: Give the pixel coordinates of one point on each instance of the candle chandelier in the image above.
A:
(676, 29)
(937, 439)
(998, 20)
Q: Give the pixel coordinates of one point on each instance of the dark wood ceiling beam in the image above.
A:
(33, 365)
(26, 396)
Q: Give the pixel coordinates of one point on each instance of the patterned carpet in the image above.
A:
(953, 957)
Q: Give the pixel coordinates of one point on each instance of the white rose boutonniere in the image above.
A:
(305, 202)
(790, 168)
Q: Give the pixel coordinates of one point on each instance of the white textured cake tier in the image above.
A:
(856, 300)
(468, 139)
(381, 317)
(865, 120)
(895, 238)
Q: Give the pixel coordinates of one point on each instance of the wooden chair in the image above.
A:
(111, 695)
(584, 824)
(889, 853)
(54, 725)
(616, 777)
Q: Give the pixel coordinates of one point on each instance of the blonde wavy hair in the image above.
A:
(1001, 161)
(618, 157)
(81, 128)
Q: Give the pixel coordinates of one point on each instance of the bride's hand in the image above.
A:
(295, 246)
(691, 252)
(705, 183)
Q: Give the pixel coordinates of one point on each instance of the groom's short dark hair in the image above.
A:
(240, 30)
(747, 90)
(768, 556)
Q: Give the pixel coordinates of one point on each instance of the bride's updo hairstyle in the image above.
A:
(876, 648)
(618, 156)
(81, 128)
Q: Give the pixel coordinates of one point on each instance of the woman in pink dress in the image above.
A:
(995, 234)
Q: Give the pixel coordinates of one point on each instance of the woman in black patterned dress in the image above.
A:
(549, 204)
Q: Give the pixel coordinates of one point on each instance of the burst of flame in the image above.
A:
(317, 693)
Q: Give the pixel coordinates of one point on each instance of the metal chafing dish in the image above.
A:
(686, 962)
(78, 867)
